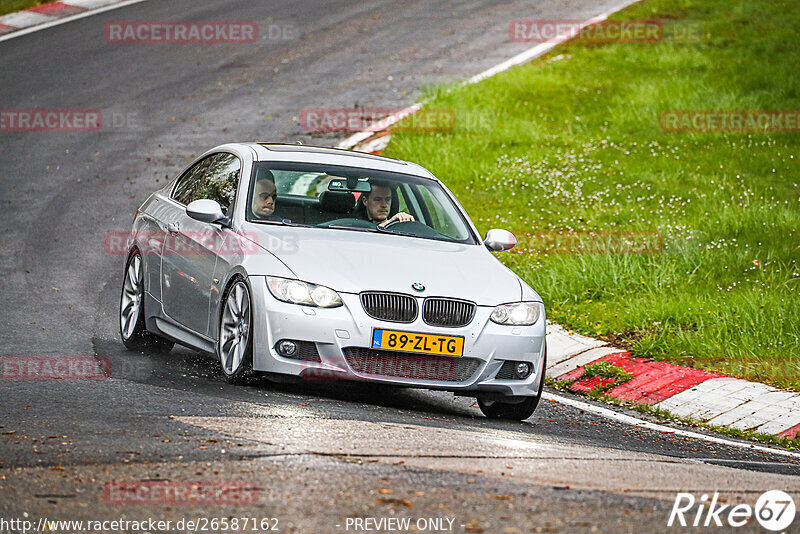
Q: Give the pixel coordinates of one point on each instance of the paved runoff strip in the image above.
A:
(709, 397)
(54, 13)
(683, 391)
(641, 423)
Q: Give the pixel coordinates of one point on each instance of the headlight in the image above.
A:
(297, 292)
(518, 313)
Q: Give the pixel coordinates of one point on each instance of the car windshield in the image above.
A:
(350, 198)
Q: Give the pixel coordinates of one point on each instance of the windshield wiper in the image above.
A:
(355, 228)
(284, 222)
(389, 231)
(288, 222)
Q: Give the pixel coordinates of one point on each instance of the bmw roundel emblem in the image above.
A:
(418, 287)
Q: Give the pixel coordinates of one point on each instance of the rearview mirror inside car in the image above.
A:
(349, 184)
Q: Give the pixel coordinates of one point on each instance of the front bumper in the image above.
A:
(488, 345)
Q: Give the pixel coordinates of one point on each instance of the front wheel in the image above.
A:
(135, 335)
(518, 411)
(513, 412)
(235, 342)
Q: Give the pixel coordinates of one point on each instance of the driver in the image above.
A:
(377, 204)
(264, 196)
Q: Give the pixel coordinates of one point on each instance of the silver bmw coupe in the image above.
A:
(330, 264)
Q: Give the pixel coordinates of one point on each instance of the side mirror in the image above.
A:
(205, 210)
(499, 240)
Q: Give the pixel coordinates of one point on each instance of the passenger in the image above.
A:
(377, 203)
(264, 196)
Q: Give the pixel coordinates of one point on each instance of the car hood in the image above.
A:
(351, 262)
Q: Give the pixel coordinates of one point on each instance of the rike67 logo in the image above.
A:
(774, 510)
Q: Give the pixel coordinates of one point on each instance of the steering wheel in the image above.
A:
(397, 222)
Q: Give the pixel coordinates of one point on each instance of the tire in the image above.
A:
(518, 411)
(234, 345)
(513, 412)
(132, 329)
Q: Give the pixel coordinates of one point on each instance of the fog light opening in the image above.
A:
(286, 348)
(522, 369)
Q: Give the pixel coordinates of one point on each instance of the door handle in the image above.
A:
(173, 228)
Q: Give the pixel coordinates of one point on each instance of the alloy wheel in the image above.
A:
(235, 328)
(131, 301)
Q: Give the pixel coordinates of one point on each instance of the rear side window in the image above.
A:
(215, 177)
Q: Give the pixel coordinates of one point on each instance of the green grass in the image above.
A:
(571, 142)
(604, 369)
(10, 6)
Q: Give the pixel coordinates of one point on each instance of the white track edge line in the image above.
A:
(76, 16)
(641, 423)
(519, 59)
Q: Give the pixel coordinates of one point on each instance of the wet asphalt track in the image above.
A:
(62, 192)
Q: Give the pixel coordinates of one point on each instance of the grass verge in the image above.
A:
(11, 6)
(569, 149)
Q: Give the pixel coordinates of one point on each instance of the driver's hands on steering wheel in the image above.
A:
(398, 217)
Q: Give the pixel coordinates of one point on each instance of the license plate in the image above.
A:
(413, 342)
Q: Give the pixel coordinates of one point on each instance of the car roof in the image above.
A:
(335, 156)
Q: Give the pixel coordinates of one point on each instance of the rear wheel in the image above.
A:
(132, 327)
(234, 342)
(494, 409)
